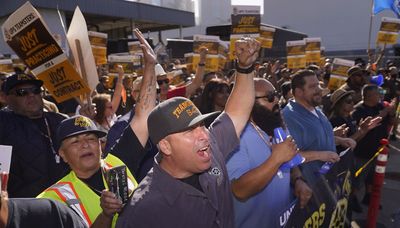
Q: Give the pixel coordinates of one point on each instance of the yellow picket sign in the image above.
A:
(212, 62)
(296, 57)
(266, 36)
(63, 82)
(98, 38)
(387, 37)
(27, 34)
(100, 55)
(6, 65)
(233, 39)
(335, 81)
(296, 61)
(313, 57)
(388, 31)
(134, 48)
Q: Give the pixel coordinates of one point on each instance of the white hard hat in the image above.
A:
(159, 70)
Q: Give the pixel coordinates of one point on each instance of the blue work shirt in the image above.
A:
(310, 133)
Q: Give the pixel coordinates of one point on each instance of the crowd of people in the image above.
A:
(198, 154)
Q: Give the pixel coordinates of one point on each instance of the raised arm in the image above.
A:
(116, 99)
(196, 83)
(147, 96)
(241, 100)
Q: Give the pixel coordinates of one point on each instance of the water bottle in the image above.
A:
(279, 137)
(325, 167)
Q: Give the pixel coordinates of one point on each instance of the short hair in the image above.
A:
(298, 79)
(368, 88)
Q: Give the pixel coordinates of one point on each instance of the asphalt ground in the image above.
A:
(389, 215)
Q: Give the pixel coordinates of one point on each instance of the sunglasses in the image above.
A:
(162, 81)
(270, 96)
(22, 92)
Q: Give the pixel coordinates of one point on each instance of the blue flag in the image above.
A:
(393, 5)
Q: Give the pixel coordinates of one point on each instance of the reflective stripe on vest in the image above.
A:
(67, 193)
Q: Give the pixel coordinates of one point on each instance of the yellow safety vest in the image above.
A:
(77, 195)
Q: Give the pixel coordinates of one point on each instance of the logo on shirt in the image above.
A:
(215, 171)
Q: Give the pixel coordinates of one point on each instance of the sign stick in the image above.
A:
(83, 69)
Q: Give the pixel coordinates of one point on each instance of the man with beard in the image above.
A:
(262, 192)
(310, 127)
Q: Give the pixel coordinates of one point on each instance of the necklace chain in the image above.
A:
(260, 134)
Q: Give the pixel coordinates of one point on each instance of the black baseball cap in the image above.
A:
(18, 79)
(174, 115)
(76, 125)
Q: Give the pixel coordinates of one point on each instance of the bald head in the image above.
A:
(262, 85)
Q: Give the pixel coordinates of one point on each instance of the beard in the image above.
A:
(266, 119)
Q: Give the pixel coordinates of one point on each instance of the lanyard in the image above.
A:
(279, 173)
(260, 134)
(48, 136)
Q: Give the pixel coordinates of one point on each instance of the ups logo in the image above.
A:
(24, 77)
(82, 121)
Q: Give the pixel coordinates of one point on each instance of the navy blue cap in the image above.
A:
(18, 79)
(76, 125)
(174, 115)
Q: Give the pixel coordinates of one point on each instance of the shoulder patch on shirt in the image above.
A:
(142, 189)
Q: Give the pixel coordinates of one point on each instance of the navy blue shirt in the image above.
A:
(34, 166)
(164, 201)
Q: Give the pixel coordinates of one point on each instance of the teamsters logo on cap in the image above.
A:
(174, 115)
(186, 106)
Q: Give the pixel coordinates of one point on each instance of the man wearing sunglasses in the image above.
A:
(167, 91)
(34, 164)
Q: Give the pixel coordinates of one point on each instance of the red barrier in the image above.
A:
(379, 177)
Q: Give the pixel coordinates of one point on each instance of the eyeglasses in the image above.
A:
(161, 81)
(22, 92)
(270, 96)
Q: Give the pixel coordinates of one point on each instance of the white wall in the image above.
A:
(210, 12)
(342, 24)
